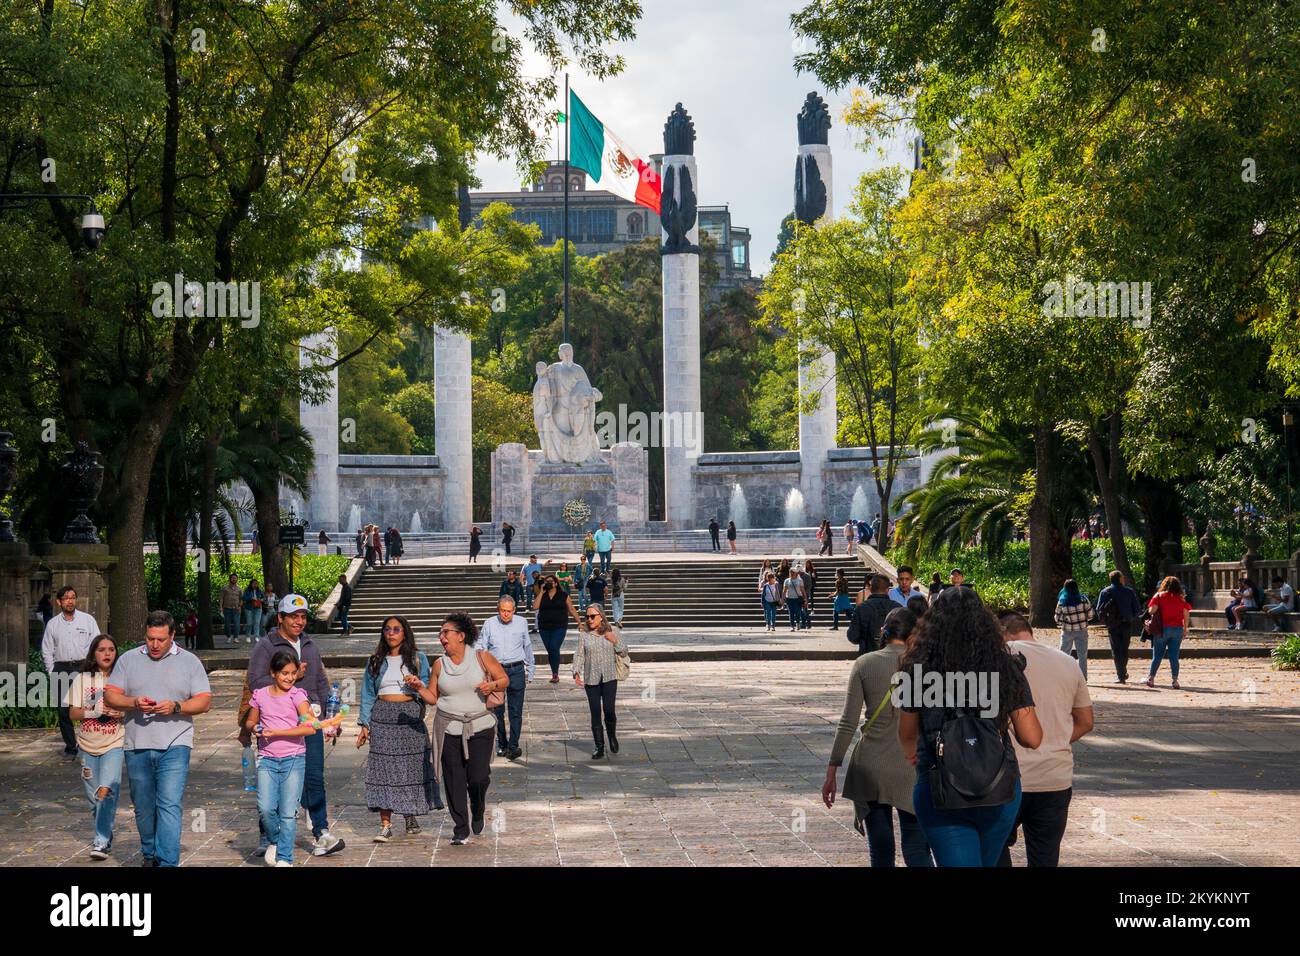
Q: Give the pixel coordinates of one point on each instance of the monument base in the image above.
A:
(531, 493)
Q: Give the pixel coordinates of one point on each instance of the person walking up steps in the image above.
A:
(596, 671)
(879, 780)
(99, 740)
(466, 684)
(281, 716)
(400, 776)
(604, 546)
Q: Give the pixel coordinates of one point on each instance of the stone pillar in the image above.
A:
(512, 491)
(631, 485)
(453, 429)
(680, 251)
(813, 206)
(16, 565)
(85, 567)
(322, 422)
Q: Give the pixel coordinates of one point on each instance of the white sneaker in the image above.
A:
(269, 855)
(284, 863)
(326, 844)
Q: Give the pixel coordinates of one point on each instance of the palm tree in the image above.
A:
(984, 490)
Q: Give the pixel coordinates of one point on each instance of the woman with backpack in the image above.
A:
(879, 780)
(1073, 611)
(967, 791)
(1172, 612)
(617, 593)
(843, 600)
(770, 594)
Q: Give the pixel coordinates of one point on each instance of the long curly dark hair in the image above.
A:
(407, 648)
(960, 635)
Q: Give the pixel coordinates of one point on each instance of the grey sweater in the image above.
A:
(877, 769)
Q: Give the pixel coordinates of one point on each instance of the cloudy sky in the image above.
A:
(730, 64)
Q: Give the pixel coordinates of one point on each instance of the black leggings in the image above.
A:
(463, 778)
(601, 696)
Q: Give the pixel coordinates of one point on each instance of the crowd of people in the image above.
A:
(379, 548)
(136, 710)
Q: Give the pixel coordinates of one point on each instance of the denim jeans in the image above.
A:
(605, 558)
(769, 613)
(253, 621)
(973, 836)
(157, 787)
(97, 773)
(1169, 642)
(518, 677)
(836, 611)
(795, 608)
(230, 622)
(879, 820)
(279, 791)
(552, 639)
(343, 617)
(1078, 641)
(583, 597)
(616, 608)
(313, 789)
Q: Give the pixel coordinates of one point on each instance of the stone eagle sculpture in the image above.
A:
(809, 190)
(677, 211)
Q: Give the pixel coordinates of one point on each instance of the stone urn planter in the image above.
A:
(83, 476)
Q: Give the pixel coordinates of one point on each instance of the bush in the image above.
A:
(12, 718)
(313, 578)
(1286, 656)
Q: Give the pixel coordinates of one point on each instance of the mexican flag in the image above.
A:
(594, 148)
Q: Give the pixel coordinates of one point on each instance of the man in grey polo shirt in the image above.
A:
(161, 687)
(506, 638)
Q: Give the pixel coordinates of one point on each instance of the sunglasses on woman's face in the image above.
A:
(593, 617)
(393, 629)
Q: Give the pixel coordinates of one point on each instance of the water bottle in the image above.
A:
(250, 769)
(332, 705)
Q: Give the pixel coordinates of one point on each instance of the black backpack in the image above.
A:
(972, 763)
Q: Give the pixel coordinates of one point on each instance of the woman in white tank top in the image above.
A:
(463, 726)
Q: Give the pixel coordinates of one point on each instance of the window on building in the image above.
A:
(635, 226)
(738, 255)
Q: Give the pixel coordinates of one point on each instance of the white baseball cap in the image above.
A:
(292, 603)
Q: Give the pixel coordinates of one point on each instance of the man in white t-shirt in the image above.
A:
(1064, 710)
(1285, 602)
(64, 648)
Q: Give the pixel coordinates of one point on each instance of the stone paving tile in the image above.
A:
(721, 766)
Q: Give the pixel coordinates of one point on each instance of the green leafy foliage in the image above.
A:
(314, 577)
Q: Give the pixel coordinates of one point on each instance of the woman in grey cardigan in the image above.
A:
(879, 780)
(595, 670)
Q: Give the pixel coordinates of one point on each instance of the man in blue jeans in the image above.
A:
(604, 546)
(506, 638)
(290, 635)
(161, 687)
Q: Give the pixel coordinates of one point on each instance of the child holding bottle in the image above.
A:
(276, 713)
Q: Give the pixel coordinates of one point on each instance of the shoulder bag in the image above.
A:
(496, 698)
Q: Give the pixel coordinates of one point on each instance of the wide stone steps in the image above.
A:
(698, 594)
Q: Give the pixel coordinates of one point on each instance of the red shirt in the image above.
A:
(1172, 608)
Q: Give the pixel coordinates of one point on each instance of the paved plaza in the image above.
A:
(722, 764)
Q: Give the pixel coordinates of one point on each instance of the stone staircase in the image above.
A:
(661, 593)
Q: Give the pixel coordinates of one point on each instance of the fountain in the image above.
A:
(416, 527)
(354, 520)
(737, 507)
(794, 517)
(859, 508)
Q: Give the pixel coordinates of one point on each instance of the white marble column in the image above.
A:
(454, 426)
(681, 305)
(817, 428)
(322, 423)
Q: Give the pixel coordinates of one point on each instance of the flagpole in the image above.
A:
(565, 333)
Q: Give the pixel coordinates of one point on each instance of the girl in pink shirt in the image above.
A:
(276, 713)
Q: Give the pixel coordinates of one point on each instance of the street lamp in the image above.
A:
(92, 223)
(1288, 421)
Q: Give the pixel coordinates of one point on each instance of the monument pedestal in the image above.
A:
(531, 493)
(16, 566)
(84, 567)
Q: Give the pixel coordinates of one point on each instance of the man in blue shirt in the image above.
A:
(529, 572)
(506, 638)
(604, 546)
(900, 594)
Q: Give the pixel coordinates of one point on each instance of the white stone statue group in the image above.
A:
(564, 411)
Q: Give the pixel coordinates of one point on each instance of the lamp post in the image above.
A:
(1288, 421)
(92, 223)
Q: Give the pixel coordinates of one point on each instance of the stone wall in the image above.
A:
(847, 469)
(390, 489)
(530, 492)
